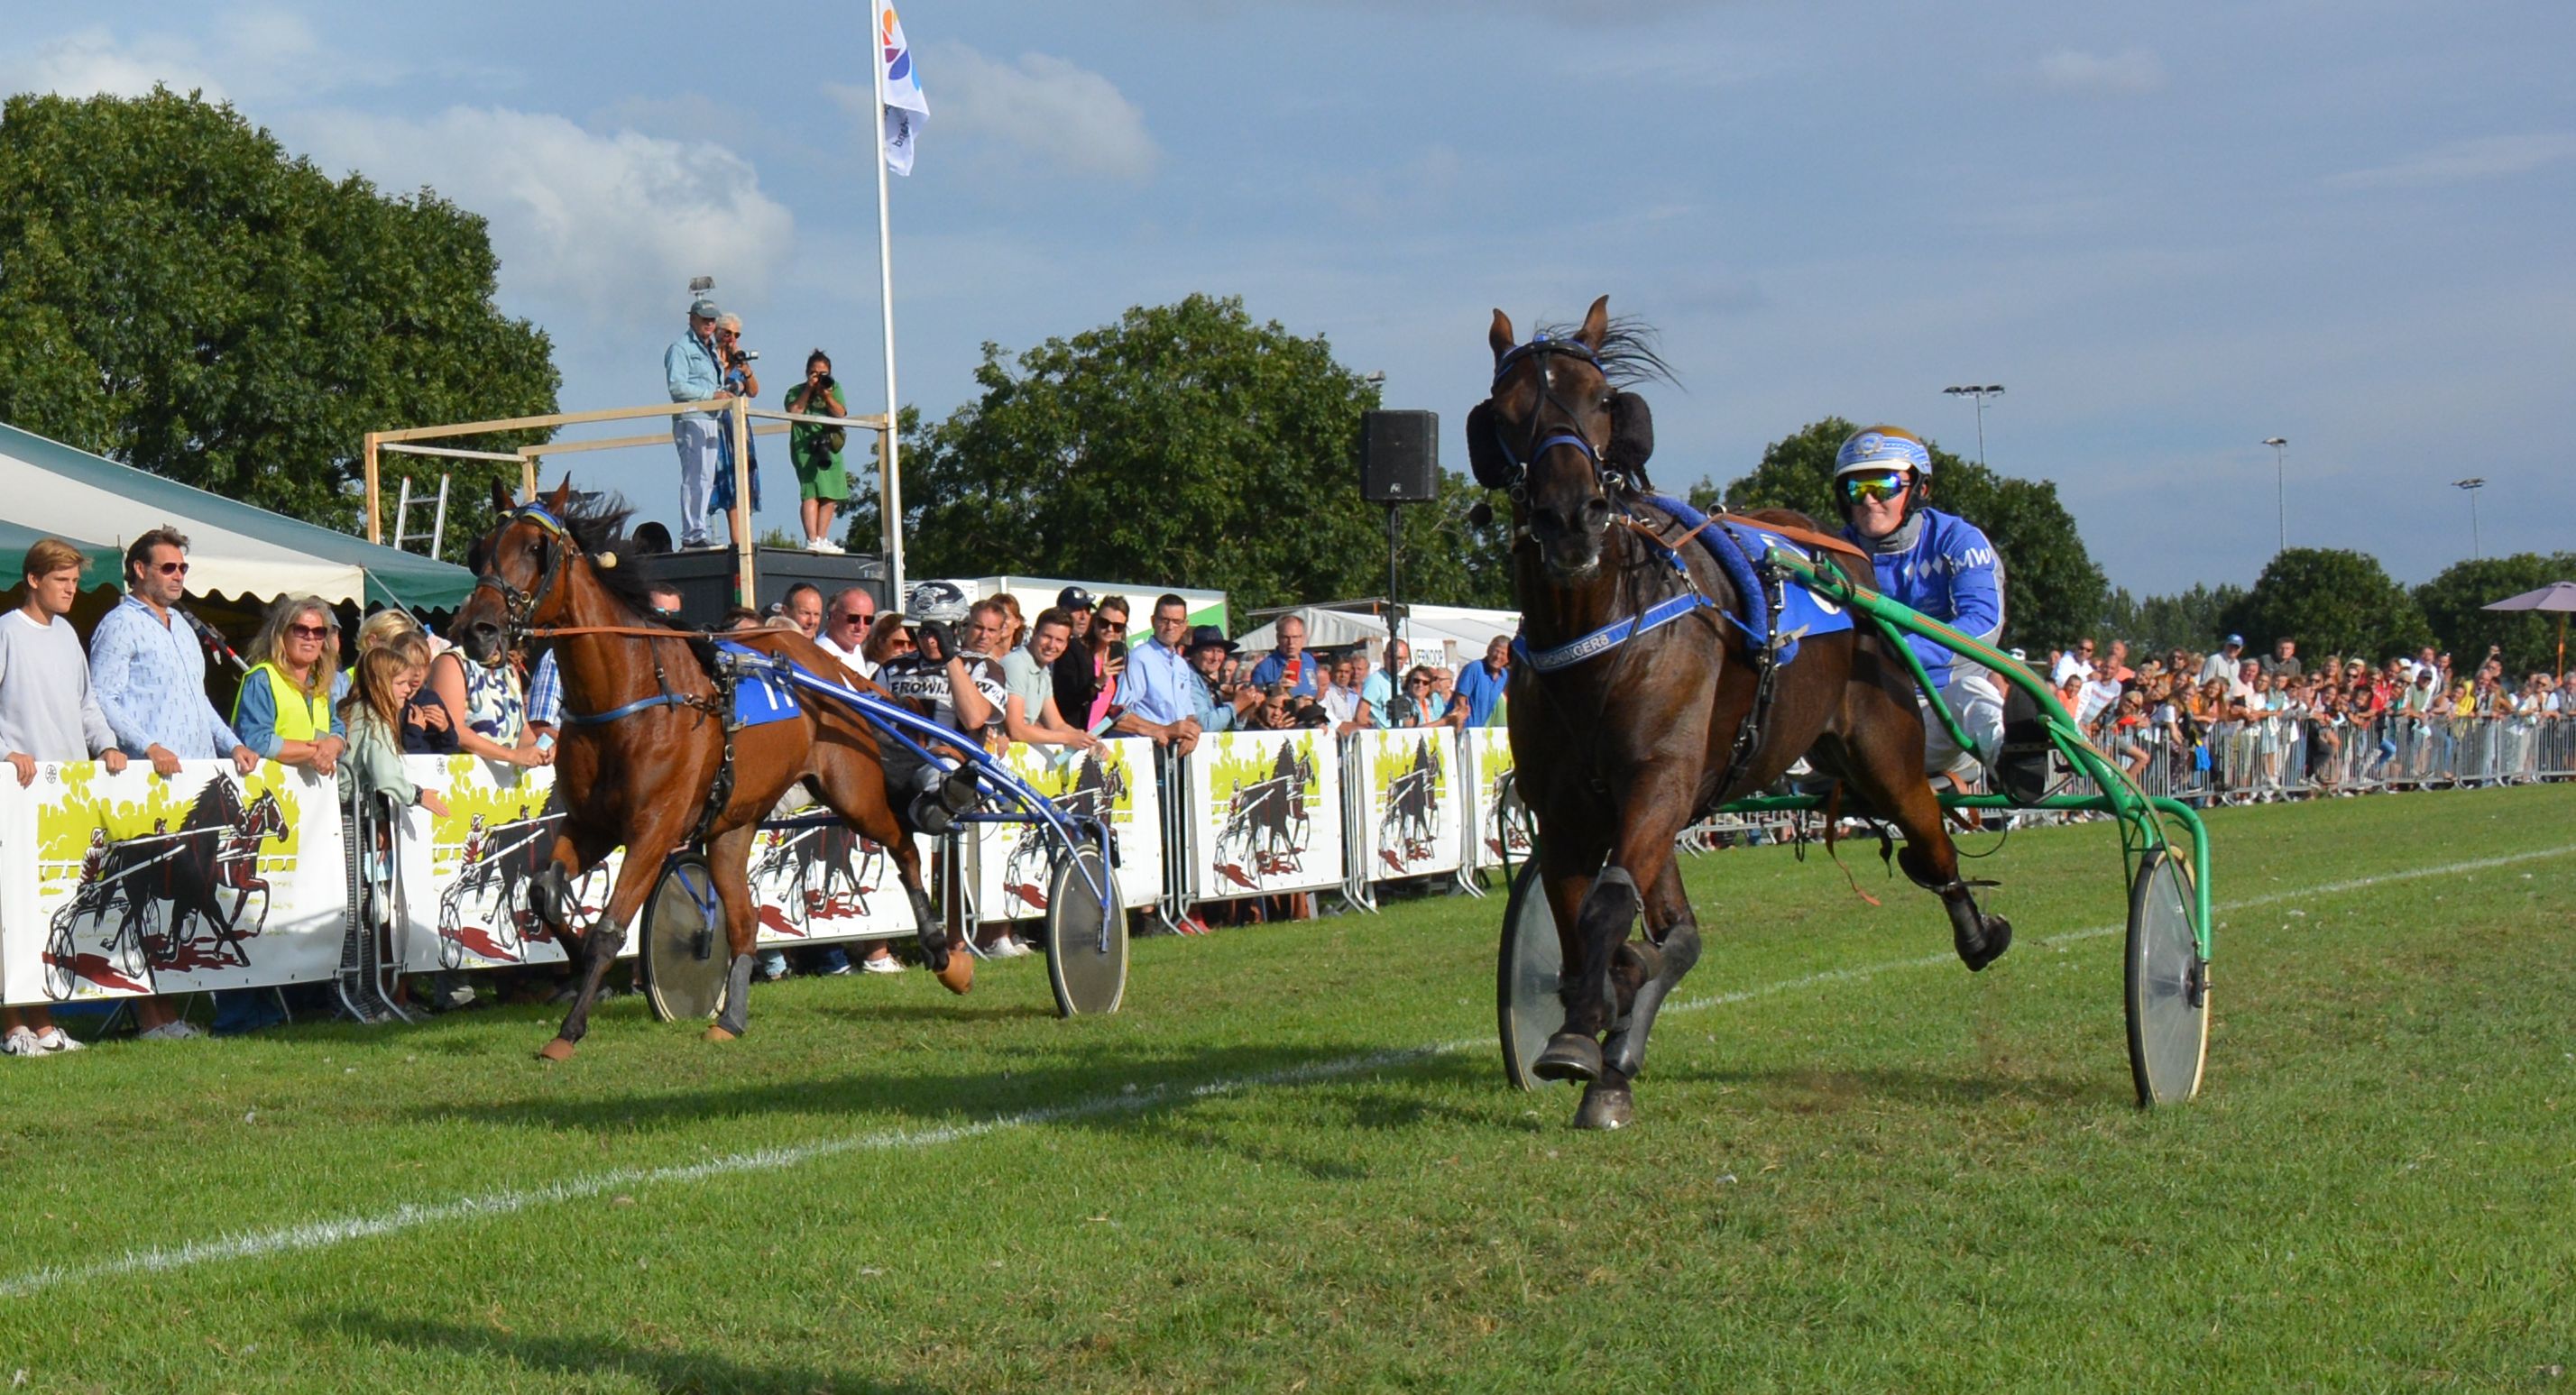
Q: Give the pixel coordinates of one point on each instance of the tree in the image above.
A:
(2052, 590)
(2451, 605)
(2194, 620)
(2332, 601)
(185, 297)
(1183, 444)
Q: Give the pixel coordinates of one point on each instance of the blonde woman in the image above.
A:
(283, 712)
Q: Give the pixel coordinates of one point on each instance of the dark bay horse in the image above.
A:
(645, 760)
(1619, 751)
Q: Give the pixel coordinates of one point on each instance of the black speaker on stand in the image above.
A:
(1399, 465)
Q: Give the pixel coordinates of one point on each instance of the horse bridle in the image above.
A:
(519, 606)
(1542, 347)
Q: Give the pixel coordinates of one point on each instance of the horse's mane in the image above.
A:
(227, 805)
(1627, 351)
(598, 524)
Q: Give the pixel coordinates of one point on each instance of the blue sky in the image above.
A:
(2169, 231)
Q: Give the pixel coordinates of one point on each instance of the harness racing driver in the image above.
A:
(1939, 564)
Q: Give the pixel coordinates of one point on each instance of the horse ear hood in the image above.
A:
(1484, 450)
(1632, 434)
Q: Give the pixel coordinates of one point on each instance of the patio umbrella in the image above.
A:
(2559, 596)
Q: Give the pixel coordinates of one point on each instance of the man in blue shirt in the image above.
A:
(1379, 690)
(1481, 686)
(690, 370)
(148, 671)
(1157, 689)
(1939, 564)
(1289, 662)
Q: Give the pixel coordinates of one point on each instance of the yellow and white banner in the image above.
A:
(1265, 814)
(816, 885)
(1409, 809)
(466, 876)
(1114, 784)
(120, 885)
(1497, 823)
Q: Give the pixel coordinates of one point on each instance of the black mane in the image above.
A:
(597, 523)
(1627, 352)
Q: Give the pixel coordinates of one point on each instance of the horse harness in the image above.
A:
(521, 607)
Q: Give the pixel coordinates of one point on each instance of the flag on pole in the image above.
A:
(906, 110)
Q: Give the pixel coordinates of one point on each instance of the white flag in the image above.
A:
(906, 110)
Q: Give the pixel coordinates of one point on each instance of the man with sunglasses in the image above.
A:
(149, 671)
(693, 373)
(845, 629)
(1939, 564)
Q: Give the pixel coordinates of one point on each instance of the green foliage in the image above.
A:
(2332, 601)
(1183, 444)
(185, 297)
(2450, 603)
(2195, 620)
(2052, 589)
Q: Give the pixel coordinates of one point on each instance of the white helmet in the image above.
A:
(942, 601)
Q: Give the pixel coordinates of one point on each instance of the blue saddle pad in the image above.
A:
(759, 696)
(1802, 612)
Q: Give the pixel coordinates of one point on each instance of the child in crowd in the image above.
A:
(387, 678)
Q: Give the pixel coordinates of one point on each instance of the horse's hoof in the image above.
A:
(556, 1050)
(718, 1034)
(959, 974)
(1998, 938)
(1569, 1057)
(1606, 1106)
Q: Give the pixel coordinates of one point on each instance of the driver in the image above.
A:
(1940, 565)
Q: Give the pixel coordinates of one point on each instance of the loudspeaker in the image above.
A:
(1399, 457)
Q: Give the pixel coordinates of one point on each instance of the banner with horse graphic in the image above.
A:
(826, 883)
(1409, 803)
(1497, 824)
(466, 876)
(120, 885)
(1114, 784)
(1265, 814)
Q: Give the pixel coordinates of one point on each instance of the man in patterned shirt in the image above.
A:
(150, 673)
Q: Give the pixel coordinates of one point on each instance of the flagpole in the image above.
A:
(889, 471)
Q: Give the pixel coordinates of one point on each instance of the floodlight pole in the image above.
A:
(2281, 486)
(1981, 394)
(2471, 486)
(889, 475)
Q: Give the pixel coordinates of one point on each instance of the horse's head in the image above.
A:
(518, 567)
(1561, 436)
(267, 818)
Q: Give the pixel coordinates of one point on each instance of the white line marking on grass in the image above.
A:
(324, 1234)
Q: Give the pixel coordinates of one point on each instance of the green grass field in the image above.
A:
(1291, 1163)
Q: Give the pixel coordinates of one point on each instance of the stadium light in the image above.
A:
(2471, 486)
(1981, 394)
(2281, 485)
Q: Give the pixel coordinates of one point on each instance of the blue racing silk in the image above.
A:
(1950, 574)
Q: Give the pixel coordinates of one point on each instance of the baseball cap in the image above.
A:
(703, 309)
(2234, 642)
(1074, 598)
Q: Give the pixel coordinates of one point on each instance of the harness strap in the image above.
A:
(585, 719)
(1612, 635)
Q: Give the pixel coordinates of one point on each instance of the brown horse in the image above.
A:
(1619, 751)
(644, 744)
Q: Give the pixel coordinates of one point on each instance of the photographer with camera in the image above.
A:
(815, 450)
(740, 380)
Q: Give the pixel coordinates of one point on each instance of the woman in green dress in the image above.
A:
(821, 484)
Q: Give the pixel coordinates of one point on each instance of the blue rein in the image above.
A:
(1734, 560)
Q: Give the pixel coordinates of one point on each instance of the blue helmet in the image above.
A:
(1883, 448)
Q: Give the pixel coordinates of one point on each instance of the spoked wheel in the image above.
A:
(1531, 967)
(2168, 984)
(684, 945)
(1086, 935)
(451, 934)
(59, 956)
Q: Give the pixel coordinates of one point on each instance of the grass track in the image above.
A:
(1882, 1175)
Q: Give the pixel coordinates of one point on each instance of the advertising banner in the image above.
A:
(466, 876)
(1409, 810)
(116, 885)
(815, 885)
(1114, 784)
(1497, 824)
(1265, 813)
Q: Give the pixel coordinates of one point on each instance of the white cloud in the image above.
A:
(608, 225)
(2131, 72)
(91, 62)
(2488, 157)
(1041, 109)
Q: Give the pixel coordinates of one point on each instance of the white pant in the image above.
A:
(695, 436)
(1979, 705)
